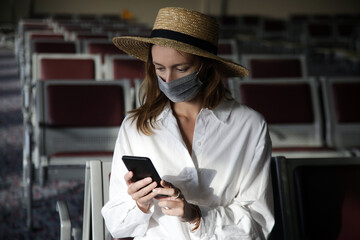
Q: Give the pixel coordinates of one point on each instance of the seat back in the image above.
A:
(79, 116)
(274, 29)
(33, 24)
(99, 181)
(228, 49)
(251, 23)
(291, 109)
(53, 46)
(320, 197)
(272, 66)
(31, 35)
(66, 66)
(342, 101)
(87, 34)
(96, 194)
(37, 46)
(124, 66)
(100, 46)
(345, 32)
(319, 33)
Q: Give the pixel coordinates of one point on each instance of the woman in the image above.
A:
(212, 153)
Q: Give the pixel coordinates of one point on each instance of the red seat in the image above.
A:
(101, 46)
(272, 66)
(228, 49)
(81, 35)
(77, 120)
(66, 105)
(342, 101)
(128, 69)
(46, 36)
(67, 69)
(124, 66)
(66, 66)
(46, 46)
(280, 103)
(292, 111)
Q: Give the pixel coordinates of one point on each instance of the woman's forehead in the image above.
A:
(161, 54)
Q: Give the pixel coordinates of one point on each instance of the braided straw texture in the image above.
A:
(183, 20)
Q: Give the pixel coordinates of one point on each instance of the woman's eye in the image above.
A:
(159, 69)
(182, 69)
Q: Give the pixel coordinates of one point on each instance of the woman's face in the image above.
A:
(171, 64)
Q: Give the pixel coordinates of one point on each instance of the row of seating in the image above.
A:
(41, 44)
(70, 28)
(293, 108)
(307, 117)
(71, 121)
(302, 188)
(57, 68)
(312, 31)
(260, 65)
(59, 59)
(333, 37)
(68, 122)
(66, 67)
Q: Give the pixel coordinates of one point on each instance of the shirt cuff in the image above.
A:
(202, 232)
(137, 215)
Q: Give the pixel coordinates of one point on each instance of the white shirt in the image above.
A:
(227, 176)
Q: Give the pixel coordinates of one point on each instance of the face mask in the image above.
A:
(182, 89)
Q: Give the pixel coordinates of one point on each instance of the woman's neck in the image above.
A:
(188, 109)
(186, 114)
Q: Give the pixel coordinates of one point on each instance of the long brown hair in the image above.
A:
(153, 101)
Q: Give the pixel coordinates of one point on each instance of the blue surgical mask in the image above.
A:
(182, 89)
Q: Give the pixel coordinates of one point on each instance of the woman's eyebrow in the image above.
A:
(175, 65)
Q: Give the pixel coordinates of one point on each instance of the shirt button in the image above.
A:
(198, 144)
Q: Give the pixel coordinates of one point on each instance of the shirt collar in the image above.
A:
(221, 112)
(165, 112)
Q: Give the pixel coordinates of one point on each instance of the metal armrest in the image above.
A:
(65, 222)
(76, 233)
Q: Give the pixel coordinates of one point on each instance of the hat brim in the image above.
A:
(139, 48)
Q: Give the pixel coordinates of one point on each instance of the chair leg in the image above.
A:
(27, 175)
(76, 233)
(43, 169)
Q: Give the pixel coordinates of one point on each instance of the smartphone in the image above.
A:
(142, 167)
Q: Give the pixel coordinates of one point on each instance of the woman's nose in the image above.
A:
(168, 76)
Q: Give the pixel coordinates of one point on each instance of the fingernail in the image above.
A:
(155, 190)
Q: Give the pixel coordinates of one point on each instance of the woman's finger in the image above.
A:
(172, 207)
(147, 190)
(128, 176)
(135, 186)
(166, 184)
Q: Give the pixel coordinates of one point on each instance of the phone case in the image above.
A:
(142, 167)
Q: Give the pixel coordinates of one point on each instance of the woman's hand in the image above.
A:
(141, 191)
(176, 205)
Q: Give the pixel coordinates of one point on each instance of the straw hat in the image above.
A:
(184, 30)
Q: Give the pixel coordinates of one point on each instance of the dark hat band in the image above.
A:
(184, 38)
